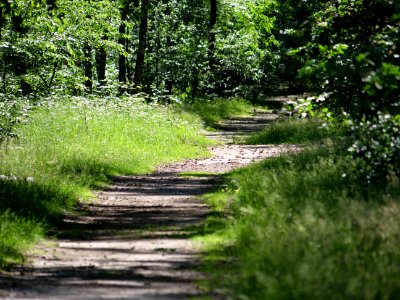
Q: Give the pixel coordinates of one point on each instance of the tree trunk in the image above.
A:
(130, 66)
(88, 68)
(19, 62)
(1, 22)
(169, 80)
(211, 42)
(137, 81)
(101, 63)
(122, 57)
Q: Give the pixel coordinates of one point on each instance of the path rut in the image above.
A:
(133, 242)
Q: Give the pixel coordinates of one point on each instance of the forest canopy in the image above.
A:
(199, 47)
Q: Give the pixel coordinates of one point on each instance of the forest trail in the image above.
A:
(133, 242)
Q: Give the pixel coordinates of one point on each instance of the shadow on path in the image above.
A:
(133, 241)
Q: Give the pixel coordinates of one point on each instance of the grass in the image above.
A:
(17, 234)
(294, 131)
(301, 227)
(213, 111)
(69, 147)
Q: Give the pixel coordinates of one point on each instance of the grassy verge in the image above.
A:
(300, 227)
(213, 111)
(71, 146)
(294, 131)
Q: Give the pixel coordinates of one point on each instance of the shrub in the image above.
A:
(376, 147)
(12, 112)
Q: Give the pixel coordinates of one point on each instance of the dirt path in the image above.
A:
(134, 241)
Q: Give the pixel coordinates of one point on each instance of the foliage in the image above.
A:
(309, 107)
(45, 52)
(376, 148)
(238, 50)
(346, 51)
(355, 63)
(177, 56)
(12, 112)
(54, 47)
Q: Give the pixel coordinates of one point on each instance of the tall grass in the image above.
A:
(71, 146)
(17, 234)
(301, 227)
(213, 111)
(293, 131)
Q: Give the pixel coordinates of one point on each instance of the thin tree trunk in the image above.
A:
(19, 63)
(157, 53)
(130, 66)
(169, 81)
(3, 60)
(122, 57)
(88, 68)
(101, 63)
(1, 22)
(137, 81)
(55, 65)
(211, 42)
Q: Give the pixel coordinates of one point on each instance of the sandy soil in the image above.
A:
(133, 242)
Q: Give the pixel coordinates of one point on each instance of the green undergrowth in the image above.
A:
(69, 147)
(294, 131)
(17, 234)
(300, 226)
(215, 110)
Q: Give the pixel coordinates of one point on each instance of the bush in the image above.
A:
(12, 112)
(376, 148)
